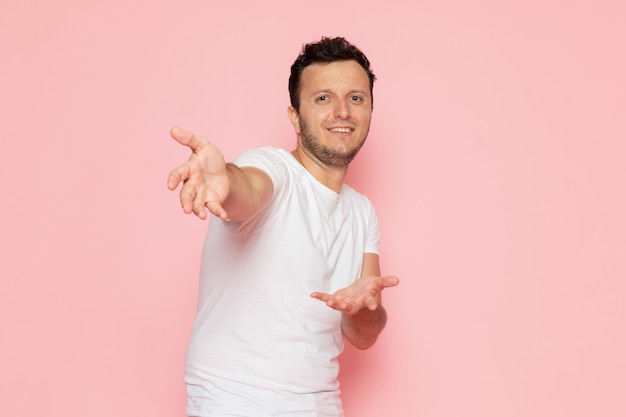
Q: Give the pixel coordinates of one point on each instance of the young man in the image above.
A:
(287, 234)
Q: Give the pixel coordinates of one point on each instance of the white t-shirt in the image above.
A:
(260, 345)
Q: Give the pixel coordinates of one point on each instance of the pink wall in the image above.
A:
(496, 162)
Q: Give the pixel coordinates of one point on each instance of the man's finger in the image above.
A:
(390, 281)
(185, 137)
(320, 296)
(217, 209)
(176, 176)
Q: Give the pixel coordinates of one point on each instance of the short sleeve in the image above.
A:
(267, 159)
(373, 235)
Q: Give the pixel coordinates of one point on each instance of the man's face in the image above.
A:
(335, 111)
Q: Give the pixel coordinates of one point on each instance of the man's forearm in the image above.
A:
(362, 329)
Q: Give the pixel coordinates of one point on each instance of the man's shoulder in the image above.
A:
(264, 152)
(350, 193)
(277, 163)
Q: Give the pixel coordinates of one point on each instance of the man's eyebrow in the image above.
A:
(364, 92)
(321, 90)
(328, 90)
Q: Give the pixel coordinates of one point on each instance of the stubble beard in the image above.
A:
(327, 156)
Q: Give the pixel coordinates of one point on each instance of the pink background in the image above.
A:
(496, 161)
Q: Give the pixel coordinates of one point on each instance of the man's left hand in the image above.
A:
(363, 293)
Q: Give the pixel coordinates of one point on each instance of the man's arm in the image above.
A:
(227, 191)
(363, 316)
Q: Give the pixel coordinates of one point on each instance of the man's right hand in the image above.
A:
(204, 176)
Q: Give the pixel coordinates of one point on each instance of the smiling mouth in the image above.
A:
(340, 129)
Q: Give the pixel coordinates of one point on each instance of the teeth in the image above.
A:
(340, 129)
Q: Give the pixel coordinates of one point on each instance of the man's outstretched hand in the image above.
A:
(204, 176)
(361, 294)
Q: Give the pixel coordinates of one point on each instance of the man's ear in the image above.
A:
(294, 118)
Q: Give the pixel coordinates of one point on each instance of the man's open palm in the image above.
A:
(363, 293)
(204, 178)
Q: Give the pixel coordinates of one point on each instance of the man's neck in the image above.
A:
(331, 177)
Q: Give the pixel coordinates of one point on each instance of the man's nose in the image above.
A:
(342, 110)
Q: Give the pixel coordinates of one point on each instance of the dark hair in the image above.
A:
(327, 50)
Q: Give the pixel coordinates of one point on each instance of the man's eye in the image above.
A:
(322, 98)
(356, 98)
